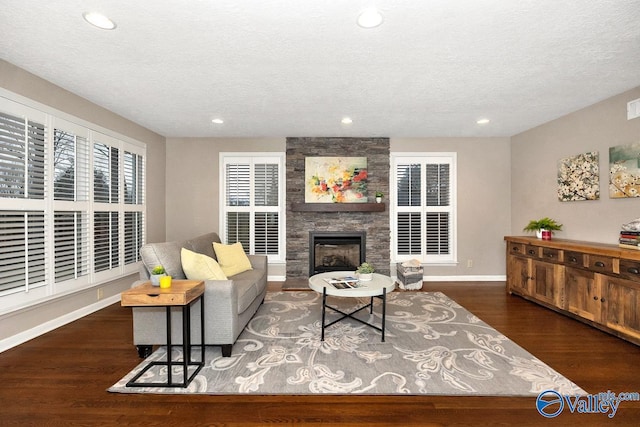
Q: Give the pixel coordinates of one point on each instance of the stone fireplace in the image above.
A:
(372, 224)
(336, 251)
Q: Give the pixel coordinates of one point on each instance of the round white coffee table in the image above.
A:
(377, 287)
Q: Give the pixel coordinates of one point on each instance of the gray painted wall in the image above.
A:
(193, 180)
(41, 317)
(483, 193)
(534, 170)
(483, 202)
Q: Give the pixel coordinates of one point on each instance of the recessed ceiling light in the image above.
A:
(217, 121)
(482, 121)
(369, 18)
(99, 20)
(347, 121)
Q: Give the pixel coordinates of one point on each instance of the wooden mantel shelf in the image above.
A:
(338, 207)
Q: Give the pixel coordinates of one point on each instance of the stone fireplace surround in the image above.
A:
(299, 224)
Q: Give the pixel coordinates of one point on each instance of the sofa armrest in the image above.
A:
(258, 261)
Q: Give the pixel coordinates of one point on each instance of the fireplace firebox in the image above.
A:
(336, 250)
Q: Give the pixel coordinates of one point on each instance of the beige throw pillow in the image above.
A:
(200, 267)
(232, 258)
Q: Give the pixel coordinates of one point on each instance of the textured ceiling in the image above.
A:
(295, 68)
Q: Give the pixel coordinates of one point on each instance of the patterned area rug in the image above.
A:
(433, 347)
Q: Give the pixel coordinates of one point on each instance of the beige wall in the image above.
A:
(483, 192)
(483, 201)
(37, 319)
(534, 168)
(192, 180)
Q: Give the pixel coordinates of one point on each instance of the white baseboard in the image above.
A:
(49, 326)
(276, 278)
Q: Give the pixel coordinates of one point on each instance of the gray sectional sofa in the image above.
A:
(229, 304)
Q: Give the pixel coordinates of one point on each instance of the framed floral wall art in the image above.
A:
(624, 171)
(335, 180)
(579, 177)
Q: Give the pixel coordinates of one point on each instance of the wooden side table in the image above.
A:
(182, 293)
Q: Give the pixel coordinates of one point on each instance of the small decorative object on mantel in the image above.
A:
(379, 196)
(630, 235)
(543, 227)
(365, 272)
(156, 273)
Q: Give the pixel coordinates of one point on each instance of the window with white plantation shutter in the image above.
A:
(134, 205)
(22, 250)
(133, 179)
(133, 236)
(105, 173)
(72, 211)
(105, 240)
(253, 202)
(423, 207)
(22, 159)
(70, 233)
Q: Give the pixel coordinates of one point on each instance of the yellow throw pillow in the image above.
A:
(200, 267)
(232, 258)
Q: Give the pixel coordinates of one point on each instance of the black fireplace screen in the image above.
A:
(336, 251)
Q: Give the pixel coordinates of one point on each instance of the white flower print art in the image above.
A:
(579, 177)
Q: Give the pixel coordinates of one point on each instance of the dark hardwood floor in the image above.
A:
(61, 378)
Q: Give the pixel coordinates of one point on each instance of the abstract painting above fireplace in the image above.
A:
(335, 180)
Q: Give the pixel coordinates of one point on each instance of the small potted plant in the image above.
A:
(156, 273)
(544, 224)
(365, 271)
(379, 196)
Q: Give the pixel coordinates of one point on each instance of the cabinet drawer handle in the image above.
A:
(532, 252)
(515, 249)
(601, 299)
(599, 264)
(550, 255)
(633, 270)
(573, 259)
(595, 298)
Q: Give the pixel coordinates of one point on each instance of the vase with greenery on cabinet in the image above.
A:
(540, 225)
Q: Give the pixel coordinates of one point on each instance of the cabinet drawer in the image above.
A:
(575, 259)
(550, 254)
(630, 269)
(517, 248)
(531, 251)
(601, 264)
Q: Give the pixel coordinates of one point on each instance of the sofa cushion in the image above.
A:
(203, 244)
(232, 258)
(200, 267)
(249, 285)
(166, 254)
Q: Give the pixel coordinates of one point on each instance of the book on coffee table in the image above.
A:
(347, 282)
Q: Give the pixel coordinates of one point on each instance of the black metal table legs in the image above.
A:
(186, 351)
(350, 315)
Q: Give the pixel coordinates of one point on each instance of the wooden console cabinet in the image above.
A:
(596, 283)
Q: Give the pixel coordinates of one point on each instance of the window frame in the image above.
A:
(252, 159)
(424, 158)
(19, 297)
